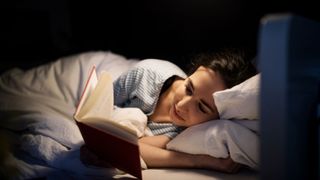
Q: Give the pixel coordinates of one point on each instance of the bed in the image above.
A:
(39, 136)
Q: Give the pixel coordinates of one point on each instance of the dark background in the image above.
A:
(37, 31)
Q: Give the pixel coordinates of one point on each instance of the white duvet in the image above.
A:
(36, 110)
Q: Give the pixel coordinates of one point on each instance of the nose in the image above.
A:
(184, 104)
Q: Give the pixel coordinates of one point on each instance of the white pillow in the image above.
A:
(240, 101)
(219, 138)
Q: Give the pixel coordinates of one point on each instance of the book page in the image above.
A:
(96, 105)
(110, 140)
(99, 103)
(89, 87)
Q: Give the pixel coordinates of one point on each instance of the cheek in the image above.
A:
(178, 95)
(197, 118)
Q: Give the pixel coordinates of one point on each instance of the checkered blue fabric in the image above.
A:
(141, 86)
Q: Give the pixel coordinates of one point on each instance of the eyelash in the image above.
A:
(202, 109)
(188, 90)
(189, 93)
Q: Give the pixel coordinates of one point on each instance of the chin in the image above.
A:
(175, 122)
(178, 122)
(174, 119)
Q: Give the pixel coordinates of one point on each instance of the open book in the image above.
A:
(110, 141)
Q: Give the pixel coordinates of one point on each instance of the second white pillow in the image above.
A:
(240, 101)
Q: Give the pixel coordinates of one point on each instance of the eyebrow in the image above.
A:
(202, 101)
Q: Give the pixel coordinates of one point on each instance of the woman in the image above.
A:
(173, 101)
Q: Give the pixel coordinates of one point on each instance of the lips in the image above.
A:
(175, 112)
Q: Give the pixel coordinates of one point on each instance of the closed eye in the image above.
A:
(202, 108)
(190, 91)
(189, 88)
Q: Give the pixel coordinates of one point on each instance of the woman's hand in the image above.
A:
(229, 166)
(226, 165)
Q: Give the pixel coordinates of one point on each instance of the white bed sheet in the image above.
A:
(192, 174)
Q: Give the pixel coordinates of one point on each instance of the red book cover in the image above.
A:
(112, 142)
(120, 153)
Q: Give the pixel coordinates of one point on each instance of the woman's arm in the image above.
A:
(159, 141)
(153, 152)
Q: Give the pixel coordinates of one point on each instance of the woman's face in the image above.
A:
(193, 102)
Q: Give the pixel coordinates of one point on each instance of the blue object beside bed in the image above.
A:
(289, 57)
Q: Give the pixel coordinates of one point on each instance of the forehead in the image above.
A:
(207, 81)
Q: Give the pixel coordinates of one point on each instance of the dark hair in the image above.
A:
(233, 65)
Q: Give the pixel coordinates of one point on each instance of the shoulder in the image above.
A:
(141, 85)
(150, 62)
(159, 67)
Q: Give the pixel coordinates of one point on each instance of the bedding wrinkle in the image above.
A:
(62, 80)
(219, 150)
(240, 150)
